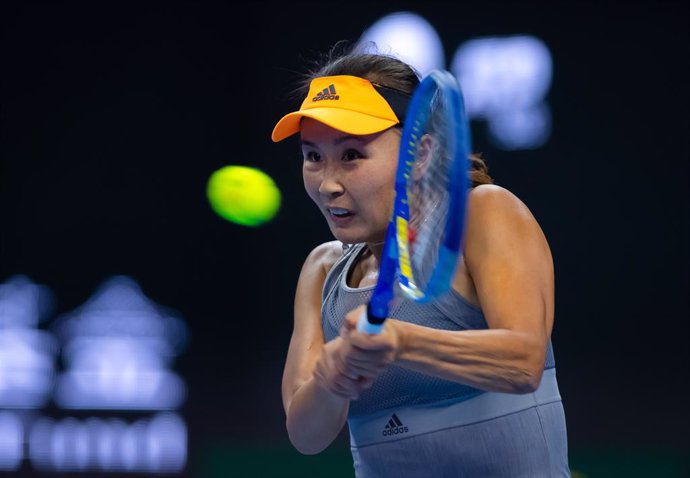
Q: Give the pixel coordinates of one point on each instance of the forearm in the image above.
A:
(315, 417)
(493, 360)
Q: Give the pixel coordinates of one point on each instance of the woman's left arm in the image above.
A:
(510, 264)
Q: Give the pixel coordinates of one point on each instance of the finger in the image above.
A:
(348, 388)
(345, 331)
(345, 369)
(352, 318)
(369, 342)
(369, 369)
(364, 358)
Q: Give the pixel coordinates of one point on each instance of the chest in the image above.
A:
(364, 272)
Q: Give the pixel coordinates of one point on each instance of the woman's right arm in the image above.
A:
(316, 389)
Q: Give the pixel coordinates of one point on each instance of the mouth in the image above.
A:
(339, 213)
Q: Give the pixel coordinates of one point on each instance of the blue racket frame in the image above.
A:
(395, 261)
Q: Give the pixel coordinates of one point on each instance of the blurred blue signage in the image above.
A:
(504, 79)
(117, 353)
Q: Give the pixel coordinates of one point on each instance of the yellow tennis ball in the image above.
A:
(243, 195)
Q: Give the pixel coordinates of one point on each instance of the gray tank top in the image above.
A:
(398, 386)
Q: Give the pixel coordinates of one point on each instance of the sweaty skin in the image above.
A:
(506, 268)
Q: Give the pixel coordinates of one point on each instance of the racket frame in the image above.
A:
(395, 264)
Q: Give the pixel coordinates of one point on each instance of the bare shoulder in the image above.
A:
(497, 216)
(311, 279)
(323, 257)
(490, 200)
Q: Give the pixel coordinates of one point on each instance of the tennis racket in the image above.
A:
(423, 239)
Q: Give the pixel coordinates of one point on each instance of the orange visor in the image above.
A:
(347, 103)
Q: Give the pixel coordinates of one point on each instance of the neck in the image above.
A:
(376, 248)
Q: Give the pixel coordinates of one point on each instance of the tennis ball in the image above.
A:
(243, 195)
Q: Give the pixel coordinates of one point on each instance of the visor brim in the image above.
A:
(347, 121)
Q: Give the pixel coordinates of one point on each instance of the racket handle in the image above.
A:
(363, 324)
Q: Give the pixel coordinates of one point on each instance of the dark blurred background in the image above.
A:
(113, 115)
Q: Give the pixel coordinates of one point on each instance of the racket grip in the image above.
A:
(363, 324)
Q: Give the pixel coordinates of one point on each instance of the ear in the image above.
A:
(424, 150)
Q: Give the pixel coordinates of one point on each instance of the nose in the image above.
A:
(331, 182)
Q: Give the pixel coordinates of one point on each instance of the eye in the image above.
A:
(351, 155)
(311, 156)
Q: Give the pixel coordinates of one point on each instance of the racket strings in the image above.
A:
(428, 191)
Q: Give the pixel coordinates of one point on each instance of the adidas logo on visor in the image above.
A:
(327, 94)
(394, 427)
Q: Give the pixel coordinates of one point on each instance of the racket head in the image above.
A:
(423, 239)
(431, 188)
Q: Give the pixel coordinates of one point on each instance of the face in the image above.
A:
(351, 179)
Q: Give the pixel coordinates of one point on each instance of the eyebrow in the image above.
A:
(338, 140)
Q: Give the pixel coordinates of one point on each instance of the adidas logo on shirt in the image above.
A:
(327, 94)
(394, 427)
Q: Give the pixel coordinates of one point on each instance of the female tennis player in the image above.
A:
(461, 387)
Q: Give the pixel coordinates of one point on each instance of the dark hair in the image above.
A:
(381, 69)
